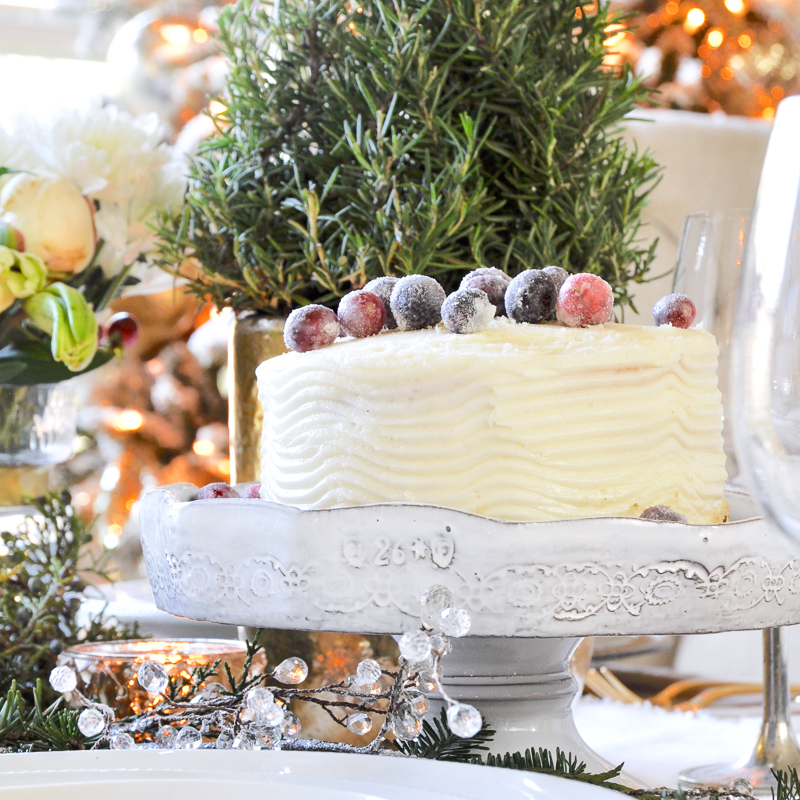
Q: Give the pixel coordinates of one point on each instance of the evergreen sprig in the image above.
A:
(437, 741)
(412, 136)
(42, 569)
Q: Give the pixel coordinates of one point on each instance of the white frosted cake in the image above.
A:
(517, 422)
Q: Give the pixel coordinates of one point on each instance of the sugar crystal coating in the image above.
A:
(558, 275)
(492, 281)
(252, 492)
(676, 310)
(662, 514)
(464, 720)
(361, 314)
(63, 679)
(416, 302)
(584, 300)
(467, 311)
(531, 297)
(383, 288)
(310, 328)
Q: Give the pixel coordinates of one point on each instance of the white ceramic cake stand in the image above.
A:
(533, 589)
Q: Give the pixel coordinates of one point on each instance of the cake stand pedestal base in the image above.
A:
(524, 690)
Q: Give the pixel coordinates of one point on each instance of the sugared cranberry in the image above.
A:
(467, 311)
(361, 314)
(676, 310)
(584, 299)
(252, 492)
(122, 330)
(662, 514)
(310, 328)
(531, 297)
(383, 288)
(558, 274)
(416, 302)
(212, 491)
(490, 280)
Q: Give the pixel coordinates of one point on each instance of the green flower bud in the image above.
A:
(64, 313)
(21, 275)
(11, 237)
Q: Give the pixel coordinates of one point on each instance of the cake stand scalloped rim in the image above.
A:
(363, 569)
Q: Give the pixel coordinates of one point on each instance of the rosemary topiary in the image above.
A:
(412, 136)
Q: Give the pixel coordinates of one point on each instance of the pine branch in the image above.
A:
(438, 742)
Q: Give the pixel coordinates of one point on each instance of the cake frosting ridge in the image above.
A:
(517, 421)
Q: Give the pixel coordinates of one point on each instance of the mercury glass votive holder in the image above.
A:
(107, 671)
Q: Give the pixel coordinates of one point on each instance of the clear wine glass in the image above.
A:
(765, 401)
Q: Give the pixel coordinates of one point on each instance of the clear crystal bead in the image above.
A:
(165, 736)
(434, 601)
(271, 715)
(268, 736)
(359, 723)
(742, 786)
(91, 722)
(214, 689)
(247, 715)
(153, 677)
(464, 720)
(455, 622)
(427, 680)
(405, 722)
(120, 740)
(415, 646)
(440, 643)
(418, 701)
(290, 725)
(188, 738)
(245, 740)
(259, 699)
(224, 740)
(63, 679)
(368, 672)
(291, 670)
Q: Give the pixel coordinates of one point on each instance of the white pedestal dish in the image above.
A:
(533, 589)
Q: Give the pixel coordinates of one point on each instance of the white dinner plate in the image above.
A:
(232, 775)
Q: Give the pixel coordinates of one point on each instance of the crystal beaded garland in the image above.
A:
(360, 724)
(91, 722)
(188, 738)
(290, 726)
(368, 672)
(418, 701)
(63, 679)
(415, 646)
(455, 622)
(291, 671)
(245, 740)
(405, 722)
(259, 699)
(434, 601)
(464, 720)
(119, 740)
(267, 736)
(152, 677)
(224, 740)
(271, 715)
(165, 736)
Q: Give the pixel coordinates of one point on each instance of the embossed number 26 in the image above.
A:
(384, 546)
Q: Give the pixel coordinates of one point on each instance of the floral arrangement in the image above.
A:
(78, 197)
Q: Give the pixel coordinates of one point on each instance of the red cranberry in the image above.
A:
(361, 314)
(311, 328)
(122, 330)
(212, 491)
(584, 299)
(676, 310)
(252, 492)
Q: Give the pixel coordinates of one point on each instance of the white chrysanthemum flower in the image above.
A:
(118, 161)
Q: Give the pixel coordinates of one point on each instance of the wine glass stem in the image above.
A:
(776, 744)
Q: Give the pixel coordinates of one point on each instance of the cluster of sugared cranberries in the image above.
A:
(217, 491)
(676, 310)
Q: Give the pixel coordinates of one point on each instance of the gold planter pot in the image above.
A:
(254, 338)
